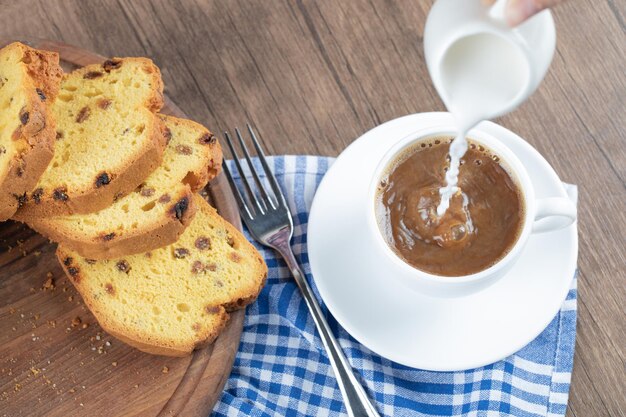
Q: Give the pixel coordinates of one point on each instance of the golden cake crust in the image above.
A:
(159, 232)
(133, 165)
(193, 157)
(172, 300)
(35, 132)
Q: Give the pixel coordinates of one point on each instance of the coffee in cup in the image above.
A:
(482, 224)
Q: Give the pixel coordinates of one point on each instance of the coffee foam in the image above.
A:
(399, 158)
(440, 140)
(430, 142)
(409, 150)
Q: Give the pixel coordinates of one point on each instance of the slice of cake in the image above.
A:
(157, 212)
(108, 138)
(29, 83)
(172, 300)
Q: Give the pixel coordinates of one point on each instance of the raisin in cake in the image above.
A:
(175, 299)
(29, 83)
(108, 139)
(157, 212)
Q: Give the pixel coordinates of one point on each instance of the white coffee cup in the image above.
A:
(540, 215)
(464, 39)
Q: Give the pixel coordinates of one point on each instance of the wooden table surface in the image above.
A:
(314, 75)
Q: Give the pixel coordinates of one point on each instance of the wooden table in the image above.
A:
(314, 75)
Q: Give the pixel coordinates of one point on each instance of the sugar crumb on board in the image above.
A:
(48, 284)
(99, 342)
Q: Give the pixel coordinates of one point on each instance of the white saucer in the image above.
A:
(439, 334)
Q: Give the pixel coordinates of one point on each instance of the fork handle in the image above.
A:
(356, 401)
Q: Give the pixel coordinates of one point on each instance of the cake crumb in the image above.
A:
(49, 283)
(76, 321)
(85, 325)
(114, 363)
(165, 369)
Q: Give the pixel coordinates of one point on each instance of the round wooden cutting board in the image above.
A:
(55, 360)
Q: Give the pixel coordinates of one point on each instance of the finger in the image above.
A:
(518, 11)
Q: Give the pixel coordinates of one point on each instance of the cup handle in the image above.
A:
(553, 213)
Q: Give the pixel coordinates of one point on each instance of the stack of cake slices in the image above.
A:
(87, 161)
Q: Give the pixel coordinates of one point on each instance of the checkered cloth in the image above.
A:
(281, 368)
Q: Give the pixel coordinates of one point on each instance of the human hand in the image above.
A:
(517, 11)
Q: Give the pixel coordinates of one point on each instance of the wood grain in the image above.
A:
(314, 75)
(68, 363)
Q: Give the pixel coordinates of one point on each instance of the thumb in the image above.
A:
(518, 11)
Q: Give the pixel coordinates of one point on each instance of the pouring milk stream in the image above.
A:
(481, 67)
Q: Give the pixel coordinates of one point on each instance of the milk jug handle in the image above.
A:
(497, 11)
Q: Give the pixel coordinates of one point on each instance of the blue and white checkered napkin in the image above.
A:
(281, 368)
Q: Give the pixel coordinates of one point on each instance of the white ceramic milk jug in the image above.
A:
(481, 67)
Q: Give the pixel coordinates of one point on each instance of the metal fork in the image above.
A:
(269, 220)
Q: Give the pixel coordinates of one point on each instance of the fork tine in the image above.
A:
(265, 198)
(268, 172)
(243, 207)
(250, 193)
